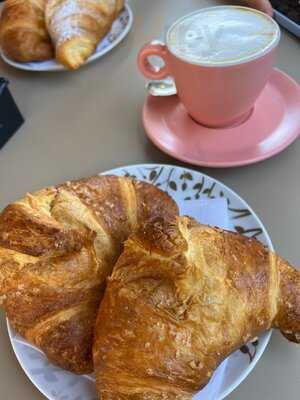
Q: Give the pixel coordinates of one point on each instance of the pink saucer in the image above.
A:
(274, 125)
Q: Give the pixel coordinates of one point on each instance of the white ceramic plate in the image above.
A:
(118, 32)
(183, 185)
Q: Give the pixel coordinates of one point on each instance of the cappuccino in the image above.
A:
(220, 36)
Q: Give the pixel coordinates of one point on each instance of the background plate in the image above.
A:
(118, 32)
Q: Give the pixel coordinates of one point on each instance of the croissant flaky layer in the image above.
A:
(77, 26)
(23, 33)
(57, 247)
(181, 298)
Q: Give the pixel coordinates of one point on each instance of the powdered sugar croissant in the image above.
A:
(77, 26)
(181, 298)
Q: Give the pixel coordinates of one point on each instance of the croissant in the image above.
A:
(77, 26)
(23, 33)
(181, 298)
(57, 247)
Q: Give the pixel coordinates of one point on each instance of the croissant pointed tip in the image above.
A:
(192, 308)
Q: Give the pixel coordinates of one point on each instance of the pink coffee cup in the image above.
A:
(213, 95)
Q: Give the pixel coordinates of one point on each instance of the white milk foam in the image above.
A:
(222, 35)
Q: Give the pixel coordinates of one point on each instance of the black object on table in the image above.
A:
(290, 8)
(287, 14)
(10, 116)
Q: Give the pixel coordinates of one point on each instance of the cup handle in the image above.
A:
(146, 68)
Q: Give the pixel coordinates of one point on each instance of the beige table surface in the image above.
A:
(78, 124)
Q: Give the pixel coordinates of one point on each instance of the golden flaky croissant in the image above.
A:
(181, 298)
(77, 26)
(23, 33)
(57, 247)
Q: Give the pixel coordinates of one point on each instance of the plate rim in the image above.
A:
(226, 164)
(268, 334)
(95, 56)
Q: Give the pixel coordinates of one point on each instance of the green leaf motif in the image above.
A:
(188, 176)
(240, 212)
(152, 175)
(128, 175)
(173, 185)
(244, 349)
(239, 229)
(209, 191)
(254, 232)
(198, 186)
